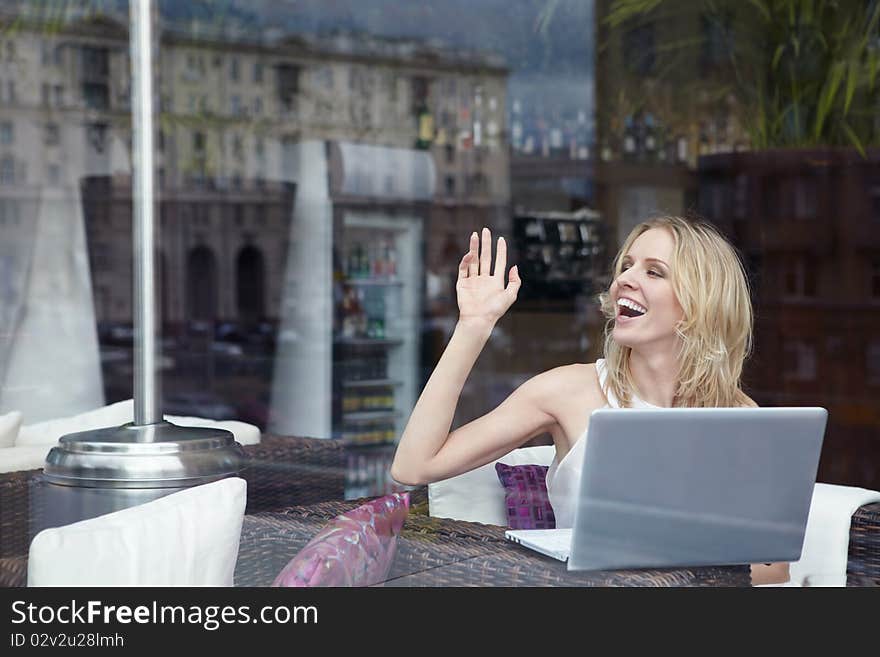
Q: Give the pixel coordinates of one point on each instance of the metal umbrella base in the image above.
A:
(92, 473)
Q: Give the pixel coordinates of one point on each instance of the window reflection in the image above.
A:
(303, 148)
(801, 215)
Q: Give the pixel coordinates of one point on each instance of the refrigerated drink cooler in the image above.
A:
(347, 360)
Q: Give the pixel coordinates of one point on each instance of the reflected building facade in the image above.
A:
(228, 111)
(231, 110)
(808, 227)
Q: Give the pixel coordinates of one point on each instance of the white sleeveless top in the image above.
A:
(563, 477)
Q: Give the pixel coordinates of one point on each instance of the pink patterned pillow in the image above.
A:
(525, 496)
(354, 549)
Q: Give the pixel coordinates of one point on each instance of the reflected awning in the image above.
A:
(384, 172)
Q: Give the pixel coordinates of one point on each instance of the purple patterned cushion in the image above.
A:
(525, 496)
(354, 549)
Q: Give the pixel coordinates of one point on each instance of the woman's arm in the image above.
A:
(523, 415)
(769, 573)
(427, 451)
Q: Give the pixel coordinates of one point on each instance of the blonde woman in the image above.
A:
(679, 328)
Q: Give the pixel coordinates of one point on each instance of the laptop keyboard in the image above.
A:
(558, 541)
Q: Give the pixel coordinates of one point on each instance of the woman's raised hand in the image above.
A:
(482, 293)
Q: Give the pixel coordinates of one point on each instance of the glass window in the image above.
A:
(872, 362)
(717, 41)
(53, 174)
(96, 96)
(320, 166)
(7, 170)
(800, 361)
(639, 47)
(53, 134)
(288, 86)
(800, 275)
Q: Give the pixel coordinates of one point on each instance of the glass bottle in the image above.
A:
(629, 138)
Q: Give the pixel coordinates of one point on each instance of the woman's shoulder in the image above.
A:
(578, 380)
(573, 373)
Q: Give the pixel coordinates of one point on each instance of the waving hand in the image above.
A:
(482, 293)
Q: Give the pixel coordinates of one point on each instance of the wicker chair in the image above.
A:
(280, 472)
(863, 559)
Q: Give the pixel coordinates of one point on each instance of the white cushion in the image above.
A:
(245, 434)
(10, 423)
(17, 458)
(48, 432)
(114, 415)
(189, 538)
(826, 539)
(478, 495)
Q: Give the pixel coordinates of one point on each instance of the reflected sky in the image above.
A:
(547, 44)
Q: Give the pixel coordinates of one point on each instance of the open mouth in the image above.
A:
(628, 308)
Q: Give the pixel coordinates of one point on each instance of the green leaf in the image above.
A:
(777, 55)
(853, 138)
(826, 97)
(852, 80)
(873, 62)
(545, 16)
(623, 10)
(761, 6)
(807, 11)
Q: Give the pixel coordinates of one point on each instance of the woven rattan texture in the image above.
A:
(282, 472)
(15, 512)
(863, 562)
(292, 485)
(443, 552)
(13, 571)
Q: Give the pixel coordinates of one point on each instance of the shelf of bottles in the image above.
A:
(367, 472)
(559, 253)
(365, 413)
(534, 133)
(370, 270)
(644, 138)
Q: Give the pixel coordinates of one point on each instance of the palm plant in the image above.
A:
(804, 71)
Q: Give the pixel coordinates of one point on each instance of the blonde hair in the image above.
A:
(710, 284)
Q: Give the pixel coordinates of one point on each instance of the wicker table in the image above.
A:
(443, 552)
(290, 481)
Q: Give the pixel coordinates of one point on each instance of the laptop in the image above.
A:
(690, 487)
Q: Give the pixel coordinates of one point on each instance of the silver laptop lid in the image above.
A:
(688, 487)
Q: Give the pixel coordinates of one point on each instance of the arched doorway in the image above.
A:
(201, 284)
(250, 280)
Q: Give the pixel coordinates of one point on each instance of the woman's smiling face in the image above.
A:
(647, 308)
